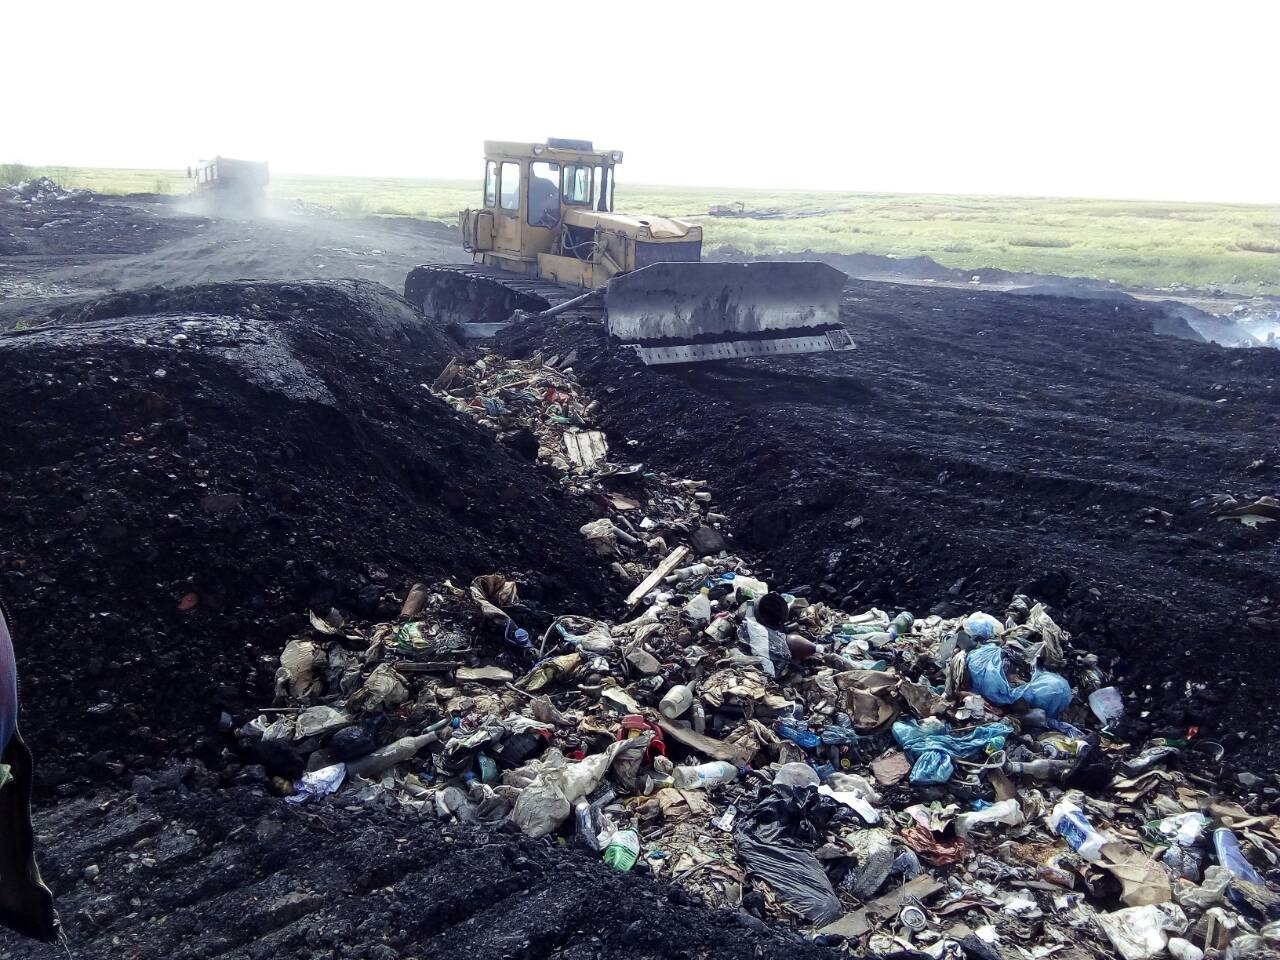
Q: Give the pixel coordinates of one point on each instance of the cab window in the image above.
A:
(604, 177)
(577, 184)
(491, 183)
(544, 194)
(510, 185)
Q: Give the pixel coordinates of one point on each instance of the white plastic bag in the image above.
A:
(1005, 812)
(1142, 933)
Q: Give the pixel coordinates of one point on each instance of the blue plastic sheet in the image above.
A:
(932, 750)
(1048, 691)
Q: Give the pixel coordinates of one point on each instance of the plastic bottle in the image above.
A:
(676, 701)
(1069, 822)
(1227, 847)
(705, 775)
(1039, 769)
(587, 825)
(623, 850)
(383, 759)
(688, 573)
(699, 718)
(901, 624)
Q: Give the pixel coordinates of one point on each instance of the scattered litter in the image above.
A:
(962, 784)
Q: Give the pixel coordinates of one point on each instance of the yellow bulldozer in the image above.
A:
(547, 231)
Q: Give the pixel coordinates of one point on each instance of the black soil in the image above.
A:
(186, 472)
(195, 869)
(980, 443)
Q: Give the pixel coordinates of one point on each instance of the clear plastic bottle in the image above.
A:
(704, 776)
(688, 573)
(1069, 822)
(699, 718)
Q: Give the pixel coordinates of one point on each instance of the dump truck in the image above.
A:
(228, 187)
(546, 241)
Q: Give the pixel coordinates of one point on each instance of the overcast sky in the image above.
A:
(1164, 99)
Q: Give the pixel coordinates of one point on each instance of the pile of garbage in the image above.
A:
(957, 787)
(37, 191)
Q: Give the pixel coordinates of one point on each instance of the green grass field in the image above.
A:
(1234, 246)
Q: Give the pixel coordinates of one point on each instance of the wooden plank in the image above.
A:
(858, 922)
(710, 746)
(652, 580)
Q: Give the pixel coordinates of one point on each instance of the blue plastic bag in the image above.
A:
(805, 739)
(1045, 690)
(839, 736)
(1048, 691)
(932, 750)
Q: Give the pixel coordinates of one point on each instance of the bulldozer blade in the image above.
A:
(683, 312)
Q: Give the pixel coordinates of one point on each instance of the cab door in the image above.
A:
(509, 216)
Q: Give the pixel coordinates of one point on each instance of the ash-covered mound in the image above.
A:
(185, 471)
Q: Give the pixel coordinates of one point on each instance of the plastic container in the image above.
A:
(676, 701)
(901, 624)
(623, 850)
(1069, 822)
(748, 588)
(705, 776)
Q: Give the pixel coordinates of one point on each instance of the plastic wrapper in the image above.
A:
(318, 783)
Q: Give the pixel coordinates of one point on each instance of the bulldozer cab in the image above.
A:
(528, 190)
(548, 212)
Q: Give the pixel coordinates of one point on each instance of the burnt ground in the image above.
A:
(978, 443)
(186, 472)
(975, 443)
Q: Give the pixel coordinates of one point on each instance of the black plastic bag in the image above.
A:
(793, 872)
(774, 840)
